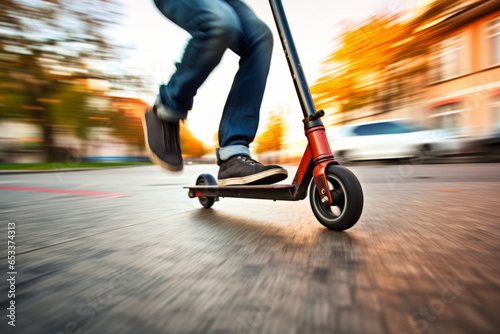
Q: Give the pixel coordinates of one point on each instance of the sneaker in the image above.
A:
(162, 141)
(242, 169)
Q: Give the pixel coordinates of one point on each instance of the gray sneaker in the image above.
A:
(242, 169)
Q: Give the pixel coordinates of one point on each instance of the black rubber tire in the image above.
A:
(425, 151)
(346, 188)
(206, 179)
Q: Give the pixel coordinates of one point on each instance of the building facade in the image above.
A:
(463, 91)
(460, 89)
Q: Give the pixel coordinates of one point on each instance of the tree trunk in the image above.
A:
(48, 142)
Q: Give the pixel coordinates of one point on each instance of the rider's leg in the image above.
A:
(240, 118)
(214, 27)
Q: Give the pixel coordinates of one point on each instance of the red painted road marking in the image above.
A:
(64, 191)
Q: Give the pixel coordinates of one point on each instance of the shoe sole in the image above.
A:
(266, 177)
(153, 157)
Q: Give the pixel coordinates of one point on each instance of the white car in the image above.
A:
(390, 139)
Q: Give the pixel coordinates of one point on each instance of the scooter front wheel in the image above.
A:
(347, 199)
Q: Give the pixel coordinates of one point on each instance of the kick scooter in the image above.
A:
(335, 194)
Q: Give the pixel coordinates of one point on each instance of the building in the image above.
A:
(460, 90)
(463, 91)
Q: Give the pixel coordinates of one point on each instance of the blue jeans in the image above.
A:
(214, 26)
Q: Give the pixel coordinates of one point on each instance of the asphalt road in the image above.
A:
(125, 250)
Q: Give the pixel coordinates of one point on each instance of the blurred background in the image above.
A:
(126, 251)
(397, 79)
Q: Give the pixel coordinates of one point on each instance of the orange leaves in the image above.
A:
(190, 146)
(271, 139)
(382, 49)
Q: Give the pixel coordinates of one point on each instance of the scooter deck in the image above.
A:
(275, 192)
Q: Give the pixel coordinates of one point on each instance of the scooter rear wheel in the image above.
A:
(347, 199)
(206, 179)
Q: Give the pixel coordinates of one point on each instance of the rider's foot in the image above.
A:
(162, 141)
(242, 169)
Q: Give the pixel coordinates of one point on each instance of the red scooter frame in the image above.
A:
(333, 186)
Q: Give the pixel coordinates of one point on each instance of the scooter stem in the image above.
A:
(299, 79)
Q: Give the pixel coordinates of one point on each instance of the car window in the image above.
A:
(382, 128)
(369, 129)
(394, 128)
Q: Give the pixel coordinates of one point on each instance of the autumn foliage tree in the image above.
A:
(272, 137)
(190, 145)
(48, 51)
(375, 58)
(125, 121)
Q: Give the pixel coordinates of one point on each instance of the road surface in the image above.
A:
(125, 250)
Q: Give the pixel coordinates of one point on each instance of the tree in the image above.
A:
(272, 137)
(355, 71)
(190, 145)
(49, 49)
(125, 122)
(375, 58)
